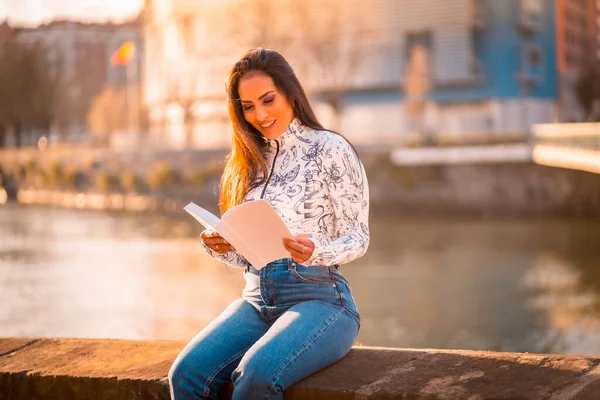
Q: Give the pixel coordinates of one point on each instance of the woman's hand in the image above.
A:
(301, 249)
(216, 242)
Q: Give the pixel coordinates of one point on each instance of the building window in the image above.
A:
(530, 17)
(532, 61)
(422, 40)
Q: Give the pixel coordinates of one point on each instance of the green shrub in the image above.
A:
(214, 167)
(403, 176)
(20, 173)
(71, 176)
(128, 180)
(40, 179)
(55, 173)
(104, 181)
(30, 166)
(161, 175)
(31, 170)
(91, 163)
(197, 177)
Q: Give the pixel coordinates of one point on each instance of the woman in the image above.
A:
(297, 314)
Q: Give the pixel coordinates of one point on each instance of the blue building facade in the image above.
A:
(492, 68)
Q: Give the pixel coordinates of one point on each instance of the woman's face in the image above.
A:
(264, 106)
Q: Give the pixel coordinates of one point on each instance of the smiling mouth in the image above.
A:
(268, 125)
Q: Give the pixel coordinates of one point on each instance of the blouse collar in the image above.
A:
(289, 134)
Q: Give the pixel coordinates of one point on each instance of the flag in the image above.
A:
(124, 54)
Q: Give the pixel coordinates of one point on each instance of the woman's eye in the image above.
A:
(267, 101)
(246, 108)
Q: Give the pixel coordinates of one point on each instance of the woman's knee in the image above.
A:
(177, 372)
(179, 375)
(253, 380)
(186, 379)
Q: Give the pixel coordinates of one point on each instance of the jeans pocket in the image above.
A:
(312, 275)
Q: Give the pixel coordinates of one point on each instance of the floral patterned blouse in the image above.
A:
(319, 186)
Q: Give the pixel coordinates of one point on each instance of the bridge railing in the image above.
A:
(570, 145)
(579, 135)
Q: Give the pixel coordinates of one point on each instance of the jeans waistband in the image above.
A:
(283, 263)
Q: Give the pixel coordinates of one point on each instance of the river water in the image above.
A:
(507, 285)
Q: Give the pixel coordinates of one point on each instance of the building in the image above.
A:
(84, 52)
(488, 66)
(577, 48)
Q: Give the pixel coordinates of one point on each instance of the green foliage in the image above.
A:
(55, 174)
(214, 168)
(31, 171)
(71, 176)
(91, 163)
(161, 175)
(197, 177)
(30, 166)
(104, 181)
(40, 178)
(401, 175)
(20, 173)
(128, 180)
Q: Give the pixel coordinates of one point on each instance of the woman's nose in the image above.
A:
(261, 114)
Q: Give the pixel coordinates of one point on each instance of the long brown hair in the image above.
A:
(246, 160)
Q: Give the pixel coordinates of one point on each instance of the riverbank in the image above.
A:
(57, 369)
(165, 181)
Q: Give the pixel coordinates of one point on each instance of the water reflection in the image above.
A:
(570, 309)
(497, 285)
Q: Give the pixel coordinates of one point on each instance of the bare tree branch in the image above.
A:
(32, 88)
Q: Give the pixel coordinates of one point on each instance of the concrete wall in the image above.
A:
(61, 369)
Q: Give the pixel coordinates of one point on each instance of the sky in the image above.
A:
(34, 12)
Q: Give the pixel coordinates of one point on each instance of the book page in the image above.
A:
(261, 230)
(206, 218)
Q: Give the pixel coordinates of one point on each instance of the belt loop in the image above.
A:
(289, 261)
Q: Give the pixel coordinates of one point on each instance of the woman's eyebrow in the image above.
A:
(260, 98)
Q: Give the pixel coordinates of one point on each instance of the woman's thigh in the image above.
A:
(206, 362)
(304, 339)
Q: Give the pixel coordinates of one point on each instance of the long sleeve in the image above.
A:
(231, 258)
(346, 237)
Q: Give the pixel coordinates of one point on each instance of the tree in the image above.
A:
(32, 88)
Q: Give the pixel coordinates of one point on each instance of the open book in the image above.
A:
(254, 229)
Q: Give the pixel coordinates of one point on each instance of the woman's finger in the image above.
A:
(305, 241)
(216, 242)
(295, 246)
(298, 251)
(222, 248)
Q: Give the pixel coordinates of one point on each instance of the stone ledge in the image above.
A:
(57, 369)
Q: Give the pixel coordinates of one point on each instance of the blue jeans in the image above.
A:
(290, 322)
